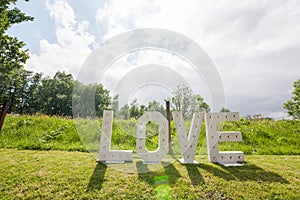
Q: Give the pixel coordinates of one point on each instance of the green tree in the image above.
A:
(24, 92)
(84, 95)
(134, 109)
(56, 94)
(102, 100)
(225, 110)
(33, 94)
(185, 101)
(142, 110)
(156, 106)
(115, 104)
(198, 104)
(124, 112)
(293, 105)
(82, 98)
(17, 91)
(12, 54)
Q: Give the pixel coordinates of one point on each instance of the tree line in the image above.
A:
(31, 93)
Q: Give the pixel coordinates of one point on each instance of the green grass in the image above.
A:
(266, 137)
(40, 133)
(57, 133)
(29, 174)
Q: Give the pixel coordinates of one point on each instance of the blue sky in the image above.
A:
(255, 44)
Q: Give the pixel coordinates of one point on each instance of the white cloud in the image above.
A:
(278, 115)
(62, 13)
(125, 15)
(255, 44)
(74, 43)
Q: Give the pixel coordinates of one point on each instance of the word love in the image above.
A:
(187, 142)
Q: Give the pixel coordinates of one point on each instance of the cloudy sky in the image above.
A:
(254, 44)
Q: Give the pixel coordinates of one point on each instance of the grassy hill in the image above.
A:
(56, 133)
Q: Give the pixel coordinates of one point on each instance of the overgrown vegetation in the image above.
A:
(293, 105)
(40, 132)
(266, 137)
(57, 133)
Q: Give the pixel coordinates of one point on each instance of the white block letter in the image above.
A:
(188, 143)
(105, 154)
(163, 145)
(227, 158)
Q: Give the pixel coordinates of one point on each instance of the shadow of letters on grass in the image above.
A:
(97, 177)
(247, 172)
(145, 174)
(194, 174)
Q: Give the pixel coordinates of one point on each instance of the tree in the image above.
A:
(293, 105)
(185, 101)
(142, 110)
(115, 104)
(31, 104)
(134, 109)
(12, 54)
(17, 92)
(102, 100)
(24, 92)
(156, 106)
(55, 95)
(225, 110)
(199, 105)
(124, 112)
(85, 95)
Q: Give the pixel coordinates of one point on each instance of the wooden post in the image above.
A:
(169, 124)
(3, 113)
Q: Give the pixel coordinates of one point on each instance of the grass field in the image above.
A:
(27, 174)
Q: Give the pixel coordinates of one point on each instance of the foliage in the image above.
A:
(12, 54)
(102, 99)
(293, 105)
(85, 95)
(55, 95)
(156, 106)
(134, 110)
(225, 110)
(188, 103)
(21, 91)
(31, 93)
(115, 104)
(40, 132)
(124, 112)
(75, 175)
(265, 137)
